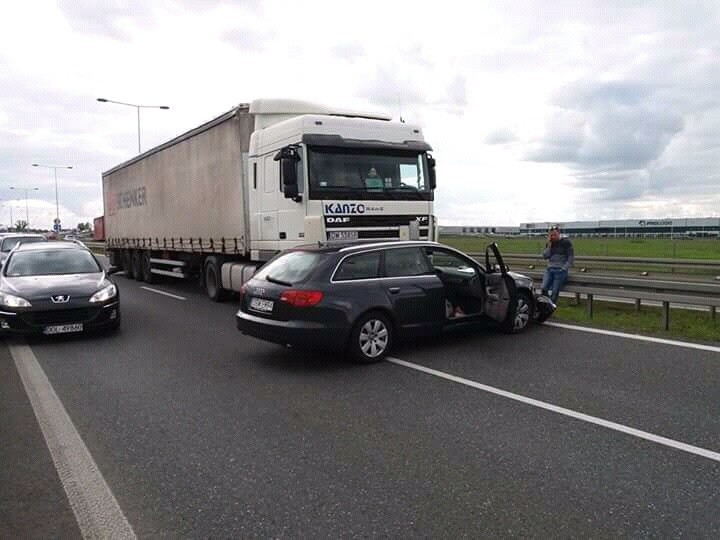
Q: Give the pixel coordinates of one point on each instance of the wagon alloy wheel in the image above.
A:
(522, 314)
(372, 338)
(519, 315)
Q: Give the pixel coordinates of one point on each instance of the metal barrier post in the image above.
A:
(637, 304)
(589, 305)
(666, 316)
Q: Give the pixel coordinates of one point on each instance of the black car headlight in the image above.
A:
(104, 294)
(8, 300)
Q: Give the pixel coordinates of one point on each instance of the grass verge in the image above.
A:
(684, 323)
(613, 247)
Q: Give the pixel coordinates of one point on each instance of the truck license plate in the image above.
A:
(62, 329)
(342, 235)
(260, 304)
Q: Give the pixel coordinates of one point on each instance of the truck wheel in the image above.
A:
(127, 264)
(147, 275)
(137, 265)
(371, 338)
(213, 283)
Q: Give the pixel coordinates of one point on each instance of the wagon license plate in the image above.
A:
(260, 304)
(63, 329)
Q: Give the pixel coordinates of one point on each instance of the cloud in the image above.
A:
(348, 52)
(112, 18)
(247, 39)
(500, 136)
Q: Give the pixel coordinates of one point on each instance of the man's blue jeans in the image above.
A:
(554, 279)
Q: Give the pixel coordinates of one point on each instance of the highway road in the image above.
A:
(178, 426)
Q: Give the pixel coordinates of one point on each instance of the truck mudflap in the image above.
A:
(544, 307)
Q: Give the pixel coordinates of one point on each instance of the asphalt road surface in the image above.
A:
(185, 428)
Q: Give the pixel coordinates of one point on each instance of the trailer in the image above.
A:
(221, 199)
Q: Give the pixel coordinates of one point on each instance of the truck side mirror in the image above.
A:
(431, 171)
(288, 158)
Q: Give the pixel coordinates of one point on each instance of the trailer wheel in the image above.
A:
(213, 283)
(147, 275)
(137, 265)
(128, 264)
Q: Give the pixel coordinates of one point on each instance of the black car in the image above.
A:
(360, 298)
(56, 288)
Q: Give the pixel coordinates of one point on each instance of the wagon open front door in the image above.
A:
(499, 285)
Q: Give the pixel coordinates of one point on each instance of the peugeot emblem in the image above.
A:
(60, 299)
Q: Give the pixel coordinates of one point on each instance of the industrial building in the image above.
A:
(633, 228)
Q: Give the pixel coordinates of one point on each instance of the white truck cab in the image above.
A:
(322, 174)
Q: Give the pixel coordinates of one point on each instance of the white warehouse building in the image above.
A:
(685, 227)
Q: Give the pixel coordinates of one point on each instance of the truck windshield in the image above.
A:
(343, 173)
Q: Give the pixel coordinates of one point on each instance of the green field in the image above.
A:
(684, 323)
(613, 247)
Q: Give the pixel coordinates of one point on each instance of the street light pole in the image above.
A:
(138, 107)
(55, 168)
(27, 210)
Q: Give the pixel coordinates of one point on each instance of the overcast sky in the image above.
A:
(542, 110)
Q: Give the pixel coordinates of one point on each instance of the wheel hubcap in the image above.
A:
(374, 337)
(522, 315)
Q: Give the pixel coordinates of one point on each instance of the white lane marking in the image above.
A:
(715, 456)
(95, 507)
(663, 341)
(158, 291)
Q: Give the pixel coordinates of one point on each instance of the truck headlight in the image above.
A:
(8, 300)
(104, 294)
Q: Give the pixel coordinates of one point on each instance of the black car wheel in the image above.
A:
(147, 275)
(137, 265)
(128, 264)
(371, 338)
(213, 283)
(519, 315)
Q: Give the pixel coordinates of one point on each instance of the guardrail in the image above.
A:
(96, 246)
(667, 292)
(589, 263)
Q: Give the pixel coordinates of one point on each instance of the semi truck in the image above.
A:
(99, 229)
(216, 202)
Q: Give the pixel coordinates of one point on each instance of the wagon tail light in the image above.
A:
(298, 298)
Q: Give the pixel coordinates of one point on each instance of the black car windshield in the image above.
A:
(51, 262)
(382, 174)
(289, 268)
(9, 243)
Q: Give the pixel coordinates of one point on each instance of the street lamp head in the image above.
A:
(164, 107)
(35, 164)
(102, 100)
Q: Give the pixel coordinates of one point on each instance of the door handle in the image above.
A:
(394, 290)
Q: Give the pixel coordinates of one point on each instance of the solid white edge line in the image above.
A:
(709, 454)
(96, 510)
(662, 341)
(158, 291)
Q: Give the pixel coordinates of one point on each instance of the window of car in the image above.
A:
(360, 266)
(442, 259)
(9, 243)
(403, 262)
(289, 268)
(51, 262)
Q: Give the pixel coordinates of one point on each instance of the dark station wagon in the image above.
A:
(360, 298)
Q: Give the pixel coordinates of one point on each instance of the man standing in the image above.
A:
(560, 255)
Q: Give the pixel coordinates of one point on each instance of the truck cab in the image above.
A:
(318, 174)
